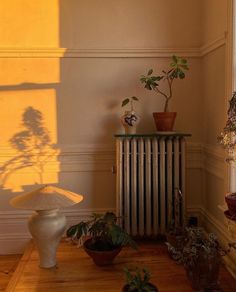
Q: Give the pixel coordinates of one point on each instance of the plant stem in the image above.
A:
(132, 108)
(167, 97)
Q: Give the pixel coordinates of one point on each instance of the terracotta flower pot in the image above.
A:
(127, 289)
(230, 199)
(101, 258)
(164, 120)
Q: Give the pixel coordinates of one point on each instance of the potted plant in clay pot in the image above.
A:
(165, 120)
(201, 257)
(228, 140)
(130, 119)
(138, 281)
(104, 237)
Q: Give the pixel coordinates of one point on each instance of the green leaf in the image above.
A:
(150, 72)
(156, 78)
(148, 86)
(72, 230)
(185, 67)
(175, 59)
(110, 217)
(125, 102)
(181, 75)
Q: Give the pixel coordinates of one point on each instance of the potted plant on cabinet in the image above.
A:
(165, 120)
(106, 237)
(138, 281)
(130, 119)
(228, 140)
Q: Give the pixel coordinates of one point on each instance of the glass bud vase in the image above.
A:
(130, 120)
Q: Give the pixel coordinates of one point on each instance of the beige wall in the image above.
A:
(214, 19)
(217, 91)
(130, 24)
(74, 61)
(79, 98)
(215, 102)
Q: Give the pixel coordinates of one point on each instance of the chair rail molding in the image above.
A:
(147, 52)
(213, 45)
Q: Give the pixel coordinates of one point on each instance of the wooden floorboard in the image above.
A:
(76, 271)
(8, 264)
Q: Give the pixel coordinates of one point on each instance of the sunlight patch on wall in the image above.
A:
(28, 153)
(28, 23)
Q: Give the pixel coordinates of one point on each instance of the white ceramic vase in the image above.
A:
(46, 228)
(130, 120)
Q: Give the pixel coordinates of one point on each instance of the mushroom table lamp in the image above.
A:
(47, 225)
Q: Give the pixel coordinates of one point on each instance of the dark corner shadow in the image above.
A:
(28, 86)
(33, 146)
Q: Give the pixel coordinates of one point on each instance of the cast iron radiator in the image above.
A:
(150, 170)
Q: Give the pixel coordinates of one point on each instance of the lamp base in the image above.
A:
(47, 228)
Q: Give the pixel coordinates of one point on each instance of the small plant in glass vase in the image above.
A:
(101, 237)
(228, 140)
(165, 120)
(138, 281)
(130, 119)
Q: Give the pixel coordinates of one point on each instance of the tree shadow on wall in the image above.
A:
(33, 146)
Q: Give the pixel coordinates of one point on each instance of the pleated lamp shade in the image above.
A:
(46, 198)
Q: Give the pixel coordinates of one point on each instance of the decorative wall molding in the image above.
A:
(214, 161)
(68, 158)
(101, 157)
(194, 156)
(50, 52)
(92, 158)
(213, 45)
(97, 52)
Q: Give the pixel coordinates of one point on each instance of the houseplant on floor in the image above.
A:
(138, 281)
(175, 235)
(106, 237)
(165, 120)
(228, 140)
(130, 119)
(201, 257)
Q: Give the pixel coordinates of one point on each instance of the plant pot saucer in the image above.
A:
(231, 217)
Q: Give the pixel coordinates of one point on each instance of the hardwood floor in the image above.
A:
(76, 271)
(8, 264)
